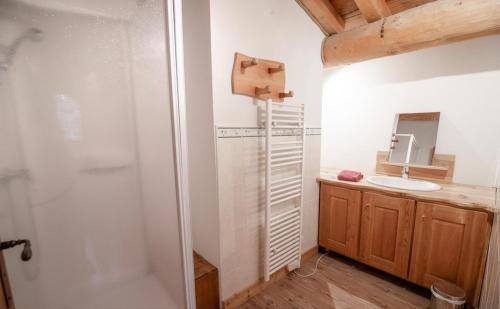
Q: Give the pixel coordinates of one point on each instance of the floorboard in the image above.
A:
(339, 283)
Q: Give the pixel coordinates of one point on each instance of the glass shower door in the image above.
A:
(87, 172)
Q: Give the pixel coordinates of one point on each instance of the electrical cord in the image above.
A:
(315, 267)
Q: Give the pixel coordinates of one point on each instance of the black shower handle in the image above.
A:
(27, 253)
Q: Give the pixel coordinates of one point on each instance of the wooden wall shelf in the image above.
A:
(259, 78)
(429, 167)
(441, 170)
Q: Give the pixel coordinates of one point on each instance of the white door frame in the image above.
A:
(179, 129)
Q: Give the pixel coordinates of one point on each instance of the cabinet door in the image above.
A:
(340, 211)
(450, 244)
(386, 231)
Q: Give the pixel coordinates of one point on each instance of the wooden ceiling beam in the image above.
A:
(324, 15)
(432, 24)
(354, 19)
(373, 10)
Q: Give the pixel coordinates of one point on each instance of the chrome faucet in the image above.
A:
(406, 171)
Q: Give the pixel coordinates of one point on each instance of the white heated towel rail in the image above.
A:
(284, 186)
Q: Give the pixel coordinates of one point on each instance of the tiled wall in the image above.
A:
(240, 156)
(241, 173)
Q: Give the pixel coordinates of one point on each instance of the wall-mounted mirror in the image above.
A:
(414, 138)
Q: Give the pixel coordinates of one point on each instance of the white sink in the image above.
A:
(405, 184)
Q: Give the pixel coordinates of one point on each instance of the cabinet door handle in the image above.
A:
(423, 217)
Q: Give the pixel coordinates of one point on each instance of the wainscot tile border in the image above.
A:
(238, 132)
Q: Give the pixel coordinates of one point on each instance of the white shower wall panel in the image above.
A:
(75, 127)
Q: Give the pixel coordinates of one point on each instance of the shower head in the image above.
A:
(32, 34)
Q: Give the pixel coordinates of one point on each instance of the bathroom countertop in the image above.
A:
(465, 196)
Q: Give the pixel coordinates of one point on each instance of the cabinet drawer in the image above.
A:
(340, 211)
(386, 232)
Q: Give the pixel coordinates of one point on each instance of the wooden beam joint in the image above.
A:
(373, 10)
(324, 15)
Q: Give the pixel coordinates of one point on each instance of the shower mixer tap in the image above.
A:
(27, 253)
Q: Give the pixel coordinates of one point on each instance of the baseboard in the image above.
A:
(309, 254)
(252, 290)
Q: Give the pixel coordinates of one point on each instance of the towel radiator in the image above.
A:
(284, 185)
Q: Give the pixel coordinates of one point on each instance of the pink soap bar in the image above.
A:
(350, 176)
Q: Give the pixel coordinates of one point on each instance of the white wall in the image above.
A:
(200, 124)
(278, 30)
(459, 80)
(271, 29)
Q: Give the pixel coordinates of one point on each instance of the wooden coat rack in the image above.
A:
(259, 78)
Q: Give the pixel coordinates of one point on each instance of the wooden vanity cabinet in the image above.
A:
(340, 211)
(417, 241)
(386, 232)
(450, 243)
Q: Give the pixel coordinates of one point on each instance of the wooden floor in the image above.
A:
(340, 283)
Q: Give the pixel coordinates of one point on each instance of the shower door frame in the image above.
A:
(177, 104)
(175, 55)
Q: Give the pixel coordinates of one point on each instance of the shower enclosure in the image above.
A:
(87, 157)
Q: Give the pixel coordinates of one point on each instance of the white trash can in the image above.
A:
(446, 295)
